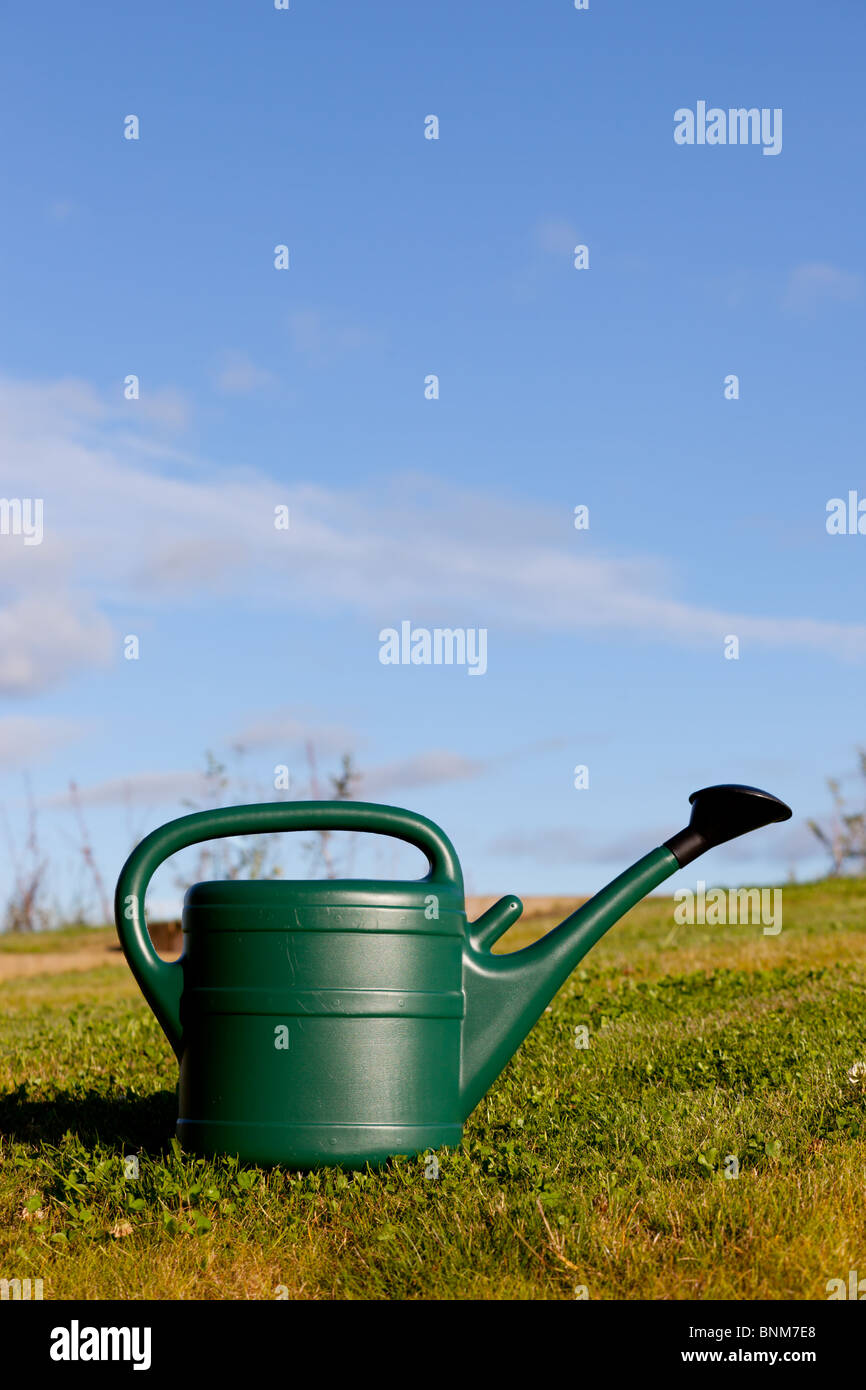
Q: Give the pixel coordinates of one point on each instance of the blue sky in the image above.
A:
(558, 387)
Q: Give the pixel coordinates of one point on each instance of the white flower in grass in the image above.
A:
(857, 1075)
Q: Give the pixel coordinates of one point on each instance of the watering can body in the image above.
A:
(321, 1022)
(343, 1022)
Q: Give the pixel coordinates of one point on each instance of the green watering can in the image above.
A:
(342, 1022)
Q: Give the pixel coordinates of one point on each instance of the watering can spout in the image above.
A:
(505, 994)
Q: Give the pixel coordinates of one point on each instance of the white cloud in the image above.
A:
(164, 405)
(29, 408)
(280, 728)
(556, 236)
(120, 528)
(158, 788)
(140, 789)
(559, 845)
(321, 336)
(240, 376)
(44, 638)
(426, 769)
(25, 738)
(444, 765)
(816, 282)
(552, 846)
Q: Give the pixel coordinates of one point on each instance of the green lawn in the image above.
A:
(600, 1168)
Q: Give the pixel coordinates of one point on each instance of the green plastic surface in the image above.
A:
(343, 1022)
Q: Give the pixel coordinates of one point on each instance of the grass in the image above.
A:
(599, 1169)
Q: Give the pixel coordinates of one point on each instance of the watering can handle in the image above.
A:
(161, 981)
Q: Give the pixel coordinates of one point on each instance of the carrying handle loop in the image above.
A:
(161, 981)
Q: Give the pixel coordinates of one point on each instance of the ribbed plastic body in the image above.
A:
(344, 1022)
(321, 1023)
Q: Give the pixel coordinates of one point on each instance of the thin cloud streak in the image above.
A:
(817, 283)
(119, 530)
